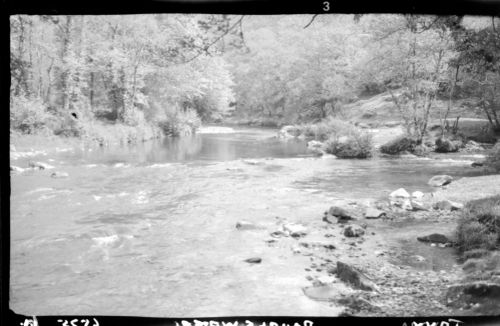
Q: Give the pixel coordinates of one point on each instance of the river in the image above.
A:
(149, 230)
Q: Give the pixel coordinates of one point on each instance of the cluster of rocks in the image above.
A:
(37, 166)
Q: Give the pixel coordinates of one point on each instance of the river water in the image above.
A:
(149, 230)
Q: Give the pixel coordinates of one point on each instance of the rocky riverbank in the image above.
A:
(391, 257)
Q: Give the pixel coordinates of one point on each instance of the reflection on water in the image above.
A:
(244, 143)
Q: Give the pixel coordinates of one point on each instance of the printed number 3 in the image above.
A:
(326, 6)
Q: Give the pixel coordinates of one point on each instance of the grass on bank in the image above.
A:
(32, 117)
(479, 225)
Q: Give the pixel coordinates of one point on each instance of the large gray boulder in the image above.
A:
(444, 145)
(354, 277)
(434, 238)
(353, 231)
(339, 213)
(400, 198)
(440, 180)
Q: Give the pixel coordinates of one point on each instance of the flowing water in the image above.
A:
(149, 230)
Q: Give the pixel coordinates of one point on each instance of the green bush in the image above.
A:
(28, 116)
(133, 117)
(493, 159)
(479, 225)
(180, 123)
(323, 130)
(398, 145)
(354, 145)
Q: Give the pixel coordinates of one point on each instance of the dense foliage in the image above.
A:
(173, 71)
(138, 71)
(479, 226)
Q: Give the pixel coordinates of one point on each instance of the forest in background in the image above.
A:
(139, 76)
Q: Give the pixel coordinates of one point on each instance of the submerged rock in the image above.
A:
(353, 231)
(440, 180)
(434, 238)
(321, 293)
(254, 260)
(354, 277)
(244, 225)
(444, 145)
(59, 175)
(16, 169)
(40, 165)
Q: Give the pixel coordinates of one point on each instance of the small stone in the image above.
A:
(295, 230)
(244, 225)
(353, 231)
(59, 175)
(254, 260)
(372, 213)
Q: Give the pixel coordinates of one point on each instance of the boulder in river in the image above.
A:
(340, 213)
(440, 180)
(244, 225)
(444, 145)
(353, 276)
(448, 205)
(400, 193)
(417, 194)
(353, 231)
(400, 198)
(16, 169)
(434, 238)
(59, 175)
(40, 165)
(372, 213)
(254, 260)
